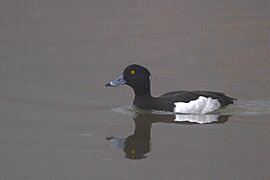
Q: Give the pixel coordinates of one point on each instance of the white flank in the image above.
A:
(202, 105)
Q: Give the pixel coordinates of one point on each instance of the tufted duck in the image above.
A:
(187, 102)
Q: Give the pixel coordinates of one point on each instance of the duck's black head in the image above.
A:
(135, 76)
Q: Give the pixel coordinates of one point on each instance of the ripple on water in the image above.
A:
(247, 108)
(251, 107)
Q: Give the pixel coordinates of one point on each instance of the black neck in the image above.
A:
(143, 89)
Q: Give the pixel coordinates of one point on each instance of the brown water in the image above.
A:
(58, 121)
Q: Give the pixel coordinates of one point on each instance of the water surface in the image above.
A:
(58, 121)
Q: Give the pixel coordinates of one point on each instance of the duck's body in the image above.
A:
(188, 102)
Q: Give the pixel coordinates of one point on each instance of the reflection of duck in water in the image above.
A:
(137, 145)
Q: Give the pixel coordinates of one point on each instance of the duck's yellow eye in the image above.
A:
(132, 72)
